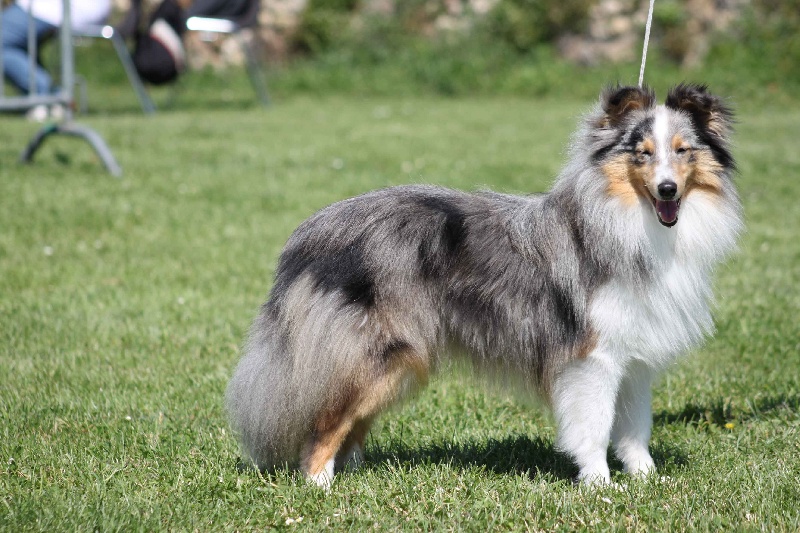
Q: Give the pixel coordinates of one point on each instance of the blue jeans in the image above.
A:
(16, 57)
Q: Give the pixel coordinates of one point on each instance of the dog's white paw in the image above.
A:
(324, 478)
(595, 475)
(640, 467)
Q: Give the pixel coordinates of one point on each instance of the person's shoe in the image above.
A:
(43, 113)
(38, 113)
(58, 112)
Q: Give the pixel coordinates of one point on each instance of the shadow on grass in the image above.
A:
(515, 455)
(511, 455)
(720, 411)
(519, 454)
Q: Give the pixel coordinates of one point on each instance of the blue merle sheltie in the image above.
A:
(582, 293)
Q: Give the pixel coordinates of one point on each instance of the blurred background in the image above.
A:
(749, 49)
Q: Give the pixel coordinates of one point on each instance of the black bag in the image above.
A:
(159, 56)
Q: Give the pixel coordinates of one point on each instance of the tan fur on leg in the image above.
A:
(345, 429)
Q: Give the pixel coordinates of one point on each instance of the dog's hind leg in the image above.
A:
(318, 457)
(342, 432)
(351, 455)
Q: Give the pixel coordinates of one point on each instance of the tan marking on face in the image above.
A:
(699, 172)
(679, 142)
(682, 165)
(627, 180)
(705, 174)
(692, 171)
(680, 173)
(617, 172)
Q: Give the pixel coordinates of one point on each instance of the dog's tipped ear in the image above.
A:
(618, 101)
(709, 113)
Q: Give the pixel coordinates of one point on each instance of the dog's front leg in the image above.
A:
(633, 421)
(584, 395)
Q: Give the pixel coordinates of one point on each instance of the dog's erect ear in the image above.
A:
(709, 113)
(618, 101)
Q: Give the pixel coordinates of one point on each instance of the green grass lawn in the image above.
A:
(123, 303)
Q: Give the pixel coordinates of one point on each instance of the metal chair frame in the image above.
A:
(114, 35)
(64, 97)
(209, 27)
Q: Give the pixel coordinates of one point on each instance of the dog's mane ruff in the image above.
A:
(612, 243)
(592, 134)
(726, 218)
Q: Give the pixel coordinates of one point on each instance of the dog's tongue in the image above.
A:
(667, 210)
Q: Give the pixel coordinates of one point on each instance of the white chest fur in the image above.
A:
(670, 314)
(655, 322)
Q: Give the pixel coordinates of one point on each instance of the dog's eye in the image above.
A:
(644, 153)
(682, 150)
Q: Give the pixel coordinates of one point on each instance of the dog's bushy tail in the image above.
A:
(269, 409)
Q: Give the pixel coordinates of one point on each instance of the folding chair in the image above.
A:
(209, 28)
(118, 35)
(64, 97)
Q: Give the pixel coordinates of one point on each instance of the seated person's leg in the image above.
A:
(16, 60)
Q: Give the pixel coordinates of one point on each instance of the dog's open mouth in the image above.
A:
(667, 211)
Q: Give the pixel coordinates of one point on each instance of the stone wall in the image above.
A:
(616, 30)
(614, 33)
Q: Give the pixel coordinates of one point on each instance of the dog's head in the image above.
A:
(662, 153)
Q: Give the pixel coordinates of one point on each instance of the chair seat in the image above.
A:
(211, 25)
(207, 26)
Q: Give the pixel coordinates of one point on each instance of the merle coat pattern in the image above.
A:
(581, 293)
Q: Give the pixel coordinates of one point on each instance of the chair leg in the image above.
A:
(75, 130)
(148, 107)
(254, 70)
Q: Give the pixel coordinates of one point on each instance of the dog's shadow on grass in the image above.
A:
(514, 455)
(517, 454)
(536, 457)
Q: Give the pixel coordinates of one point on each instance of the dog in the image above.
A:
(583, 293)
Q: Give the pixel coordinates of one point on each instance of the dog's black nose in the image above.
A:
(667, 190)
